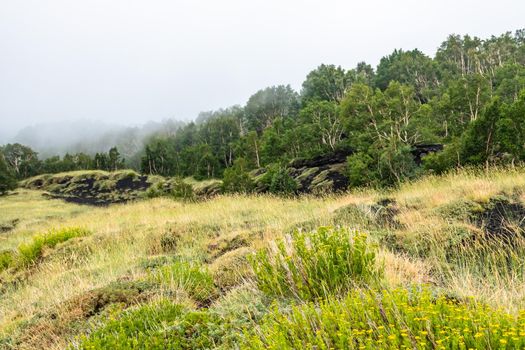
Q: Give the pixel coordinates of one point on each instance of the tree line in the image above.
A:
(469, 98)
(18, 162)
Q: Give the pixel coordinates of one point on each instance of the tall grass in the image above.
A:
(493, 268)
(190, 277)
(311, 265)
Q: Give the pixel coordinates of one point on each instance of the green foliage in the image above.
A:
(193, 278)
(408, 67)
(21, 160)
(312, 265)
(396, 164)
(325, 83)
(268, 104)
(442, 161)
(278, 181)
(389, 320)
(360, 169)
(29, 253)
(237, 179)
(181, 190)
(7, 180)
(469, 97)
(6, 259)
(162, 325)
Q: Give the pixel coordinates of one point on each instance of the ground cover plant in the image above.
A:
(396, 319)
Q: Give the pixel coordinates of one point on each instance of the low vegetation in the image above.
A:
(397, 319)
(27, 254)
(435, 264)
(314, 265)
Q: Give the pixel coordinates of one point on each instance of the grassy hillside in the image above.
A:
(97, 187)
(437, 263)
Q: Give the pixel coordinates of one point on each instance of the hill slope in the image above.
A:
(158, 273)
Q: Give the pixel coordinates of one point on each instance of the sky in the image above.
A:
(127, 62)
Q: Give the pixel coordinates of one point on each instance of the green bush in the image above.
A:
(316, 264)
(360, 169)
(7, 179)
(158, 326)
(279, 181)
(236, 178)
(29, 253)
(399, 319)
(194, 279)
(181, 190)
(283, 183)
(134, 329)
(6, 259)
(156, 190)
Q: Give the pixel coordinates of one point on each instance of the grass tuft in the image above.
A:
(312, 265)
(29, 253)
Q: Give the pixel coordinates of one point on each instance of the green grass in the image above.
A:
(29, 253)
(190, 277)
(312, 265)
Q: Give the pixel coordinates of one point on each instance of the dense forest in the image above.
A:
(469, 100)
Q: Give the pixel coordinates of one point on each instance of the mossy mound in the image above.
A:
(318, 175)
(100, 188)
(91, 187)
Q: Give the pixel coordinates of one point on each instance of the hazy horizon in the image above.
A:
(129, 62)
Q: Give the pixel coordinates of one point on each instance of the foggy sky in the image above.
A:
(127, 62)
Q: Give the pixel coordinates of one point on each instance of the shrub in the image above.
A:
(278, 181)
(181, 190)
(29, 253)
(194, 279)
(7, 179)
(158, 326)
(389, 320)
(316, 264)
(236, 179)
(360, 169)
(156, 190)
(6, 259)
(282, 182)
(132, 329)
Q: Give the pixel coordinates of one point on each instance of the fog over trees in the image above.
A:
(469, 100)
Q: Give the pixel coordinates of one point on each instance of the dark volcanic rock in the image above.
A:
(132, 183)
(335, 157)
(502, 218)
(420, 151)
(321, 174)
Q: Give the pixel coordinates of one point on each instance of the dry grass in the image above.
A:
(125, 235)
(122, 236)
